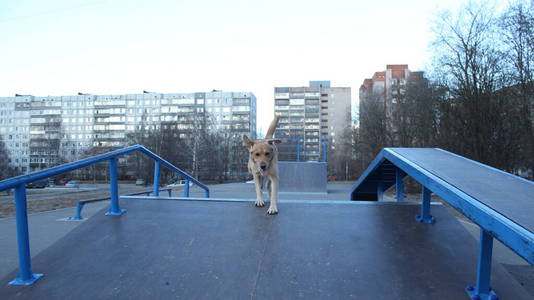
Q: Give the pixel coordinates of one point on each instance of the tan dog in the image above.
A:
(263, 162)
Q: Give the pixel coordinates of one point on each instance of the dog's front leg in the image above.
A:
(259, 194)
(273, 209)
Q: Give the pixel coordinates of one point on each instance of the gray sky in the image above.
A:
(61, 47)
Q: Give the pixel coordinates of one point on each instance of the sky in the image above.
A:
(62, 47)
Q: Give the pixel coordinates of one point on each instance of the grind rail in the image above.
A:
(81, 203)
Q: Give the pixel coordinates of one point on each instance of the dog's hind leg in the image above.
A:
(259, 196)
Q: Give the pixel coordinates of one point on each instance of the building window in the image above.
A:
(296, 102)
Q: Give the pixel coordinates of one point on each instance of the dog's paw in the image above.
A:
(259, 203)
(272, 211)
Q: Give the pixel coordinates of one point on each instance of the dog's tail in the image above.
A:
(272, 128)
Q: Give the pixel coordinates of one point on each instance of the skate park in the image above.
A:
(341, 242)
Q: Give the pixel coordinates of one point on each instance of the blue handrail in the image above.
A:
(25, 276)
(81, 203)
(23, 179)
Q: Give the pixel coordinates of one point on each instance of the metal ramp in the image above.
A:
(500, 203)
(303, 177)
(167, 249)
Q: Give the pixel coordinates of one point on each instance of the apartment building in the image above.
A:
(40, 132)
(389, 85)
(312, 113)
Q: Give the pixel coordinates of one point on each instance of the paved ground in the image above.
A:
(165, 249)
(45, 229)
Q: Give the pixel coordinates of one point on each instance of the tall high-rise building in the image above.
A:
(38, 131)
(389, 84)
(312, 113)
(388, 87)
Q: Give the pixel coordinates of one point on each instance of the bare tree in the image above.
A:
(479, 102)
(517, 33)
(6, 170)
(373, 130)
(341, 159)
(422, 101)
(485, 70)
(470, 68)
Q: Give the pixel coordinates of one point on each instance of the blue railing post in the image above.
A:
(79, 207)
(170, 192)
(114, 210)
(425, 216)
(298, 149)
(186, 188)
(156, 179)
(482, 290)
(399, 175)
(25, 276)
(324, 143)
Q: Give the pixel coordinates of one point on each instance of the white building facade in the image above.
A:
(38, 132)
(312, 113)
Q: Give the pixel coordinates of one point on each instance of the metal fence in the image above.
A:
(298, 149)
(25, 275)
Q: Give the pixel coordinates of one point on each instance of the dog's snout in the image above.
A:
(263, 167)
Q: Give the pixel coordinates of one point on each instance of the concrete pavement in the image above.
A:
(45, 230)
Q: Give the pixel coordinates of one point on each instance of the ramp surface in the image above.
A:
(220, 250)
(302, 177)
(503, 192)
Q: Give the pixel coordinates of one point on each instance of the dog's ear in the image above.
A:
(247, 142)
(272, 142)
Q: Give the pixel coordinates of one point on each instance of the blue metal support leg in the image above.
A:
(399, 176)
(115, 210)
(482, 291)
(186, 188)
(25, 276)
(156, 179)
(170, 192)
(79, 208)
(425, 216)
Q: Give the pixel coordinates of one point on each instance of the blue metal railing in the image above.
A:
(294, 147)
(80, 204)
(25, 276)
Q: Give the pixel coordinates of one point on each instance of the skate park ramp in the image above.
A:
(303, 177)
(163, 249)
